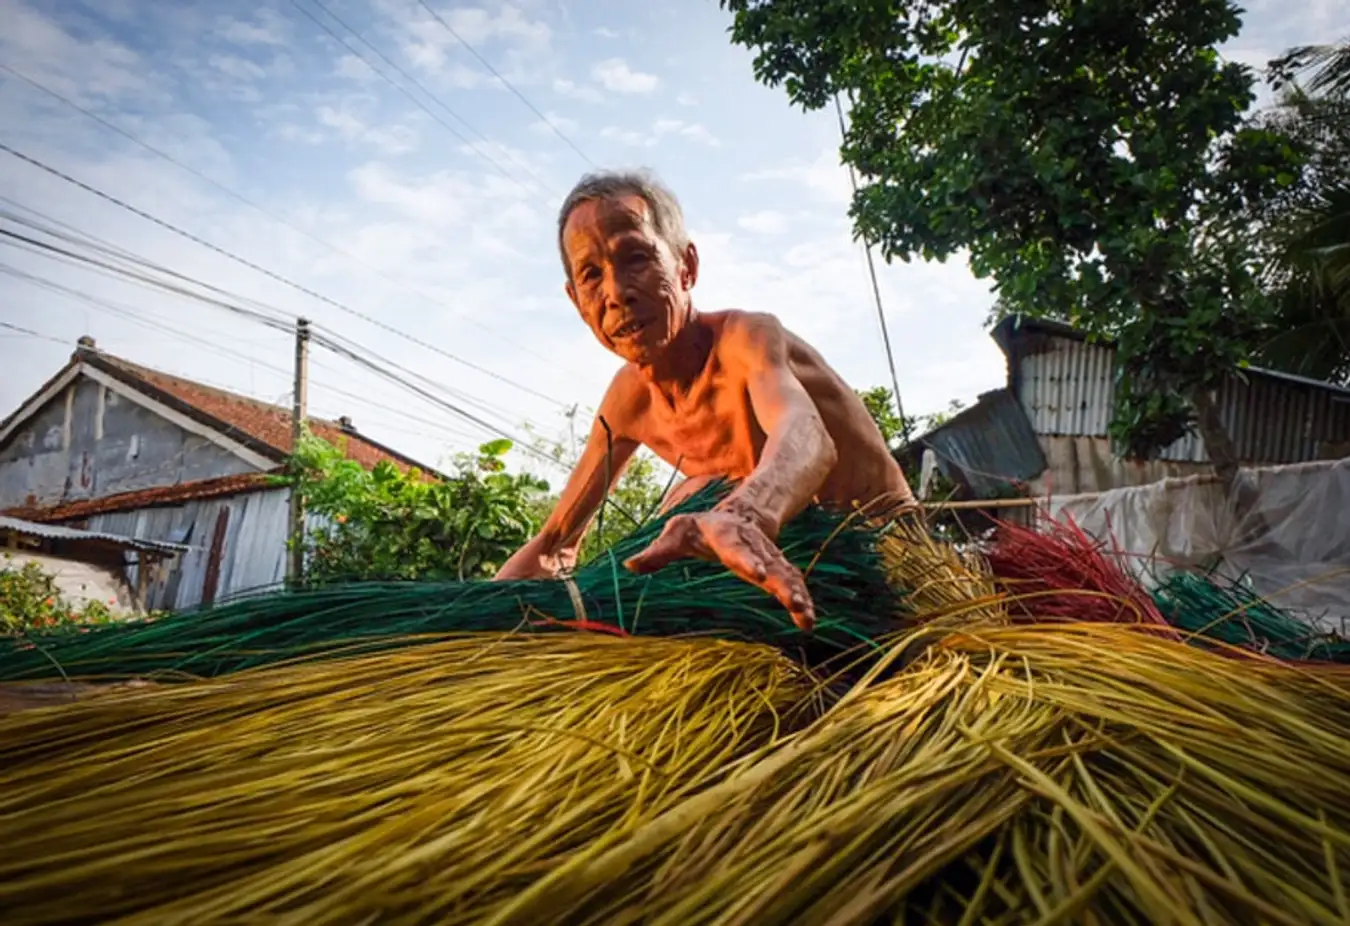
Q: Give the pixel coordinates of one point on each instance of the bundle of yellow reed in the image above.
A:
(1048, 774)
(425, 784)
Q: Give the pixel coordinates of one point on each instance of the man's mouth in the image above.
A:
(628, 329)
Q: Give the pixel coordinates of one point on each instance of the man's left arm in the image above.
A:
(799, 453)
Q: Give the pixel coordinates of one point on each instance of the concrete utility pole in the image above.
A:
(299, 413)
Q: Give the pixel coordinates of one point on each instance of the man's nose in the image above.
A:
(617, 293)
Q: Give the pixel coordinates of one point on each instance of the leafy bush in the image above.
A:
(383, 524)
(30, 600)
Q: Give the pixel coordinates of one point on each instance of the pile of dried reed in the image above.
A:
(428, 783)
(1050, 774)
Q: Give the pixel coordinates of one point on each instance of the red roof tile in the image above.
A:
(263, 422)
(144, 498)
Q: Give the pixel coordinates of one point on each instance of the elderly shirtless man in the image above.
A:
(727, 394)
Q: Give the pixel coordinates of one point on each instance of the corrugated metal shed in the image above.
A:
(61, 532)
(1067, 388)
(990, 446)
(235, 544)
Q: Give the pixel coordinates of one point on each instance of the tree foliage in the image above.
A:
(880, 404)
(635, 498)
(1090, 157)
(383, 524)
(1307, 232)
(30, 600)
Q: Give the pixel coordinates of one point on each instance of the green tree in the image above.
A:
(1308, 229)
(635, 498)
(880, 403)
(1091, 157)
(383, 524)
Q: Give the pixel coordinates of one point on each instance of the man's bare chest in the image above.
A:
(712, 430)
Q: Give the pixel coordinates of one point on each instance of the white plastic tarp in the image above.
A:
(1291, 544)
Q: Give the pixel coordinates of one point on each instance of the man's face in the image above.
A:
(629, 287)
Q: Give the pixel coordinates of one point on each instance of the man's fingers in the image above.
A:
(762, 564)
(677, 541)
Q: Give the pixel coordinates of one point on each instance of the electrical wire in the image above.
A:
(542, 186)
(268, 214)
(378, 368)
(29, 332)
(506, 83)
(138, 318)
(275, 276)
(32, 244)
(876, 289)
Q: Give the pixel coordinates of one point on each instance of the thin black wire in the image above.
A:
(92, 241)
(375, 367)
(33, 244)
(543, 186)
(876, 289)
(272, 274)
(284, 325)
(154, 324)
(265, 212)
(31, 333)
(506, 83)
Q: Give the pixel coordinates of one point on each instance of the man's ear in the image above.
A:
(570, 288)
(689, 267)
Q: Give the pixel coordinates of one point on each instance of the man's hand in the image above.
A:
(739, 544)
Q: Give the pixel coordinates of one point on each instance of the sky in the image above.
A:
(393, 172)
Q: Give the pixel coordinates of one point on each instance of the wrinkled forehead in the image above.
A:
(598, 222)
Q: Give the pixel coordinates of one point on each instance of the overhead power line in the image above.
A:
(487, 426)
(284, 326)
(506, 83)
(543, 187)
(876, 288)
(272, 274)
(268, 214)
(33, 244)
(29, 332)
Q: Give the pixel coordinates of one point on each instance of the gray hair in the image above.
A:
(667, 216)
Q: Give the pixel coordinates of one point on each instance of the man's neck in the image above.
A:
(682, 360)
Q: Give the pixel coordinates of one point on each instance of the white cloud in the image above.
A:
(562, 123)
(766, 222)
(825, 178)
(390, 139)
(354, 67)
(241, 69)
(686, 99)
(606, 33)
(661, 128)
(615, 75)
(584, 92)
(269, 29)
(519, 46)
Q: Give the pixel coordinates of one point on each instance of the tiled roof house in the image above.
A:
(113, 446)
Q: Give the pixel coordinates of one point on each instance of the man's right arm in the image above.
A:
(603, 461)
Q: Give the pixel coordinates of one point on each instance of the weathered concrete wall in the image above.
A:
(90, 442)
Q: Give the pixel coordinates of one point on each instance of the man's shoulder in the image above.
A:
(748, 330)
(627, 393)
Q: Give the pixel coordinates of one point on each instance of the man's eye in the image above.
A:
(590, 274)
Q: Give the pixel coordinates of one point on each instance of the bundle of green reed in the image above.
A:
(425, 784)
(839, 555)
(1041, 774)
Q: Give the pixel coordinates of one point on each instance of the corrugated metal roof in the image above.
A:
(990, 446)
(59, 532)
(1067, 388)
